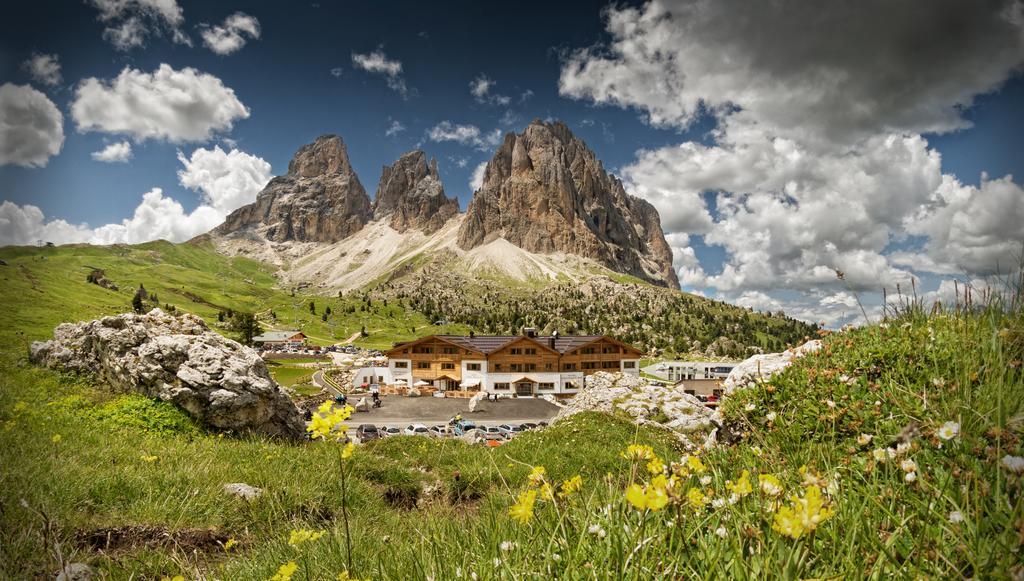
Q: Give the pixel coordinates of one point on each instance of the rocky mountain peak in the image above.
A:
(545, 191)
(326, 155)
(412, 196)
(320, 199)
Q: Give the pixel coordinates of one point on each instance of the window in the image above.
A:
(422, 365)
(568, 367)
(610, 350)
(531, 367)
(629, 364)
(531, 351)
(401, 364)
(500, 386)
(447, 366)
(515, 351)
(422, 349)
(543, 386)
(588, 351)
(449, 350)
(472, 367)
(547, 367)
(609, 364)
(516, 367)
(497, 366)
(589, 365)
(690, 391)
(572, 385)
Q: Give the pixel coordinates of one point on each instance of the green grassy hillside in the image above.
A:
(46, 286)
(134, 488)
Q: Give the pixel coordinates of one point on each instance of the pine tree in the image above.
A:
(247, 327)
(137, 301)
(312, 307)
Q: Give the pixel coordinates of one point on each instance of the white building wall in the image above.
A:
(471, 376)
(635, 370)
(539, 377)
(401, 373)
(370, 375)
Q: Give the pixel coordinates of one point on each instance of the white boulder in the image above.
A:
(219, 382)
(760, 368)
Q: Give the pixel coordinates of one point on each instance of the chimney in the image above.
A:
(529, 331)
(552, 339)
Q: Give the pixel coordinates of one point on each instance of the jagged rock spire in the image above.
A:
(411, 196)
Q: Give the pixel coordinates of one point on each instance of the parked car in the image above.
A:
(416, 430)
(492, 433)
(367, 432)
(528, 425)
(510, 430)
(388, 431)
(464, 426)
(438, 431)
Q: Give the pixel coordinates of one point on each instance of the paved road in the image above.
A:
(319, 381)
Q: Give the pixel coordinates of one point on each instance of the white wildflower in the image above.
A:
(864, 439)
(497, 562)
(939, 382)
(882, 454)
(770, 416)
(830, 403)
(902, 448)
(908, 465)
(507, 546)
(718, 502)
(910, 477)
(705, 480)
(556, 557)
(734, 498)
(956, 517)
(721, 532)
(949, 430)
(749, 407)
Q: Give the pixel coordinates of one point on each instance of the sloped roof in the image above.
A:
(490, 343)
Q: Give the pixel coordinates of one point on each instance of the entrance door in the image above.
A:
(524, 388)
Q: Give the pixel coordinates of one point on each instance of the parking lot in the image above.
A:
(400, 411)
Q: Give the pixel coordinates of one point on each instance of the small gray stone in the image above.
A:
(75, 572)
(243, 490)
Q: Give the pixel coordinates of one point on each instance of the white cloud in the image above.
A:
(231, 36)
(465, 135)
(114, 153)
(685, 261)
(480, 88)
(336, 72)
(378, 63)
(43, 68)
(179, 106)
(817, 162)
(836, 73)
(226, 181)
(394, 129)
(130, 22)
(31, 127)
(476, 181)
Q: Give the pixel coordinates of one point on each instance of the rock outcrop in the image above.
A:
(545, 191)
(320, 199)
(667, 407)
(411, 197)
(219, 382)
(760, 368)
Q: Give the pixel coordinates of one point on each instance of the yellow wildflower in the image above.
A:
(230, 544)
(770, 485)
(653, 497)
(695, 465)
(285, 572)
(742, 486)
(812, 478)
(637, 452)
(55, 439)
(327, 421)
(522, 510)
(696, 498)
(9, 425)
(150, 459)
(655, 466)
(803, 515)
(537, 475)
(20, 406)
(302, 535)
(346, 452)
(572, 485)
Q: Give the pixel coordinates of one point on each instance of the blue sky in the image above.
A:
(686, 132)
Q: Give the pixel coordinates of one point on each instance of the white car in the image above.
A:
(416, 430)
(390, 431)
(439, 431)
(492, 433)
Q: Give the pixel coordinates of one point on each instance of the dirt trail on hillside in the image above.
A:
(352, 338)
